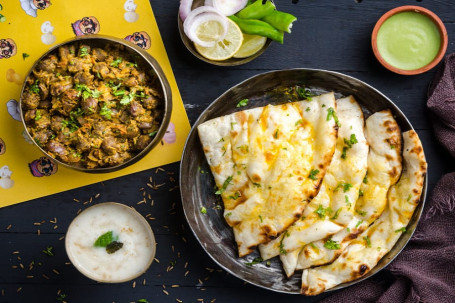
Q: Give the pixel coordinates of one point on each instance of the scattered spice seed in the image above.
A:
(79, 211)
(29, 277)
(144, 282)
(45, 277)
(38, 232)
(37, 223)
(19, 289)
(213, 301)
(200, 300)
(8, 227)
(3, 292)
(178, 300)
(15, 252)
(175, 285)
(61, 238)
(76, 200)
(14, 266)
(134, 284)
(186, 265)
(56, 226)
(97, 195)
(21, 265)
(166, 292)
(156, 260)
(56, 271)
(186, 273)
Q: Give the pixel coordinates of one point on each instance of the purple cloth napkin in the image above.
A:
(425, 269)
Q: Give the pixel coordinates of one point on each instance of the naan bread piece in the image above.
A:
(333, 207)
(268, 163)
(384, 169)
(366, 251)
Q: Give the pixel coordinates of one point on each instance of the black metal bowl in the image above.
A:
(147, 63)
(211, 230)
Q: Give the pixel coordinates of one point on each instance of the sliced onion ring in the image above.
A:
(229, 7)
(199, 16)
(185, 8)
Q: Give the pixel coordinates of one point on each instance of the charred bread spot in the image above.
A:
(363, 269)
(256, 178)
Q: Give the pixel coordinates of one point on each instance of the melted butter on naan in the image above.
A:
(262, 159)
(384, 169)
(365, 252)
(348, 166)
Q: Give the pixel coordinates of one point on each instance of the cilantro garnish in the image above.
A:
(242, 103)
(336, 214)
(332, 114)
(365, 180)
(235, 196)
(403, 229)
(255, 261)
(304, 93)
(38, 115)
(358, 223)
(332, 245)
(225, 185)
(34, 88)
(61, 297)
(83, 52)
(275, 135)
(321, 211)
(142, 301)
(348, 204)
(409, 197)
(116, 62)
(367, 240)
(361, 212)
(298, 122)
(313, 174)
(127, 99)
(203, 210)
(106, 112)
(352, 140)
(25, 55)
(360, 193)
(153, 133)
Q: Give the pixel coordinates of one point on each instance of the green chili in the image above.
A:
(280, 20)
(257, 10)
(257, 27)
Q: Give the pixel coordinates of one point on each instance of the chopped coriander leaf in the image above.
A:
(307, 109)
(96, 93)
(298, 122)
(130, 64)
(242, 103)
(361, 193)
(127, 99)
(313, 174)
(352, 140)
(321, 211)
(367, 240)
(256, 184)
(116, 62)
(336, 214)
(34, 88)
(235, 196)
(392, 146)
(227, 215)
(106, 112)
(403, 229)
(365, 180)
(348, 229)
(2, 18)
(304, 93)
(282, 250)
(361, 212)
(332, 245)
(225, 185)
(348, 204)
(358, 223)
(276, 133)
(343, 153)
(268, 263)
(61, 297)
(203, 210)
(83, 52)
(255, 261)
(260, 218)
(243, 148)
(25, 55)
(120, 92)
(142, 301)
(153, 133)
(38, 115)
(232, 125)
(313, 245)
(346, 186)
(409, 197)
(221, 140)
(49, 251)
(332, 114)
(104, 239)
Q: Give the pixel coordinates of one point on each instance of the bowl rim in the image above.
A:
(418, 9)
(137, 215)
(164, 83)
(228, 62)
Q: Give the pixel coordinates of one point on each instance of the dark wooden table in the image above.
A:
(332, 35)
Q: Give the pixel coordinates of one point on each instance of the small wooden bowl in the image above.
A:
(411, 8)
(229, 62)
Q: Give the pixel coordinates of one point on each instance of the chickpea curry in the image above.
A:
(91, 107)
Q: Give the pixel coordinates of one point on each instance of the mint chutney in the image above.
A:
(408, 40)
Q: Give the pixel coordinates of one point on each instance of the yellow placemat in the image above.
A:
(28, 28)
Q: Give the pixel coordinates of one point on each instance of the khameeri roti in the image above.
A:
(362, 254)
(333, 207)
(268, 163)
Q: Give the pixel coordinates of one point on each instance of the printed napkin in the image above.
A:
(28, 28)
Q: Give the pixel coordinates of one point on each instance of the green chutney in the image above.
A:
(408, 40)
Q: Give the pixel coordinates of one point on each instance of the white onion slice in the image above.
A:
(208, 2)
(229, 7)
(199, 16)
(185, 8)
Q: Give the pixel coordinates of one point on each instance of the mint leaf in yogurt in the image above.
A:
(104, 240)
(113, 247)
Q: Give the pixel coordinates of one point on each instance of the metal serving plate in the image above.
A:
(147, 63)
(229, 62)
(197, 183)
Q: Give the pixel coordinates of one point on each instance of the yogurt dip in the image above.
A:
(128, 227)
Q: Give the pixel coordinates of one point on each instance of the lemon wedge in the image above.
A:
(250, 46)
(224, 49)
